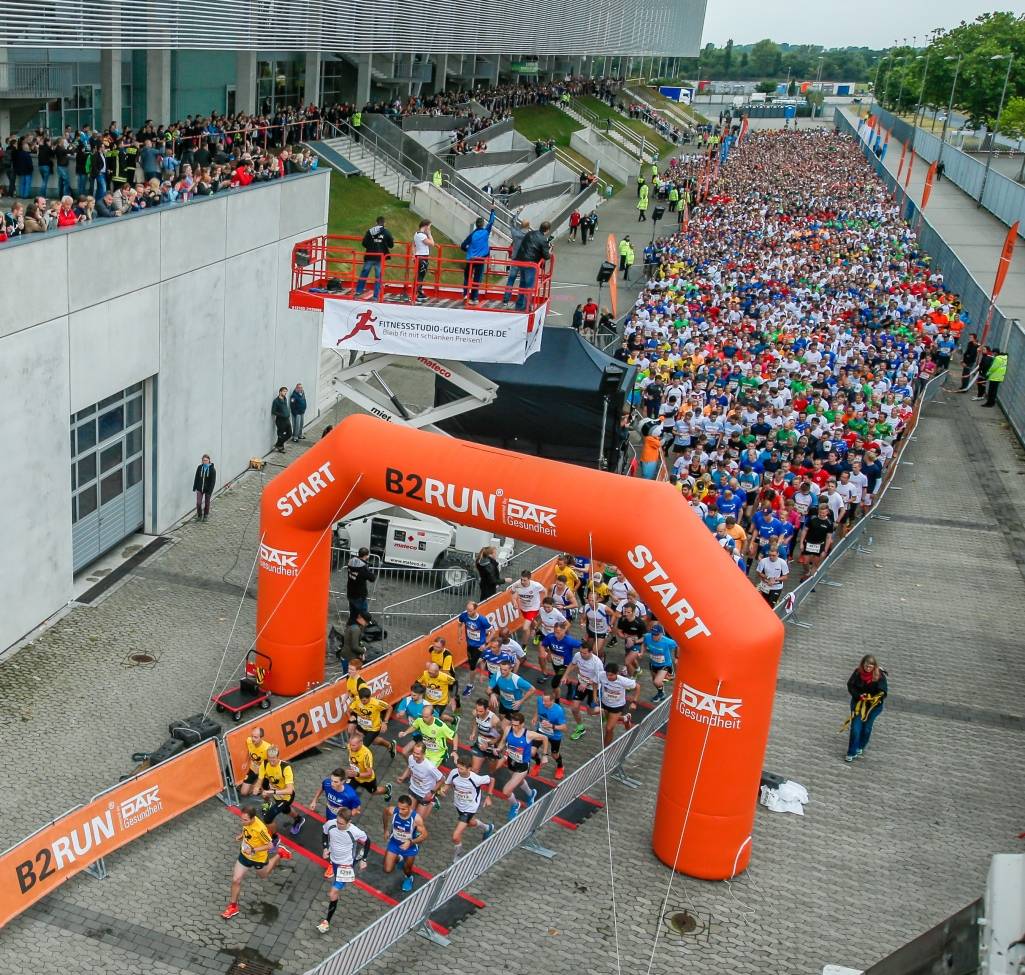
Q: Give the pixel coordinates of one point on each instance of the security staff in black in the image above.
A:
(358, 575)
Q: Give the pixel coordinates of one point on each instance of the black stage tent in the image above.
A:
(555, 405)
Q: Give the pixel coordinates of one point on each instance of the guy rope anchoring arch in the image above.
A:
(730, 641)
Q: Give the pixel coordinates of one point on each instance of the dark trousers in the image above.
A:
(202, 502)
(284, 432)
(476, 270)
(584, 230)
(966, 371)
(991, 393)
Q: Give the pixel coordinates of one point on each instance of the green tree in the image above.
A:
(727, 60)
(765, 56)
(766, 87)
(1012, 122)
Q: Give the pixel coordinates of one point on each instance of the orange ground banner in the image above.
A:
(306, 721)
(41, 863)
(927, 189)
(612, 256)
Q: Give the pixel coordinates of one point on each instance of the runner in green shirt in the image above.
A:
(435, 734)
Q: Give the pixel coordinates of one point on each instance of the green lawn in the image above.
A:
(670, 107)
(544, 122)
(603, 111)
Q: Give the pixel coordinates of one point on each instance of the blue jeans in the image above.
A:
(25, 186)
(371, 265)
(101, 186)
(297, 425)
(861, 730)
(83, 183)
(44, 179)
(473, 269)
(528, 275)
(63, 181)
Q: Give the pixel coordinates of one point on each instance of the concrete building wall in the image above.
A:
(200, 311)
(617, 162)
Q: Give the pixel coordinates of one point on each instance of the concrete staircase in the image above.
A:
(618, 135)
(384, 173)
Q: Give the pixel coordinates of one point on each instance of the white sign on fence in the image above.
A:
(438, 333)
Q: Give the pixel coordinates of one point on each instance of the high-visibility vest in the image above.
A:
(624, 246)
(437, 178)
(357, 119)
(998, 369)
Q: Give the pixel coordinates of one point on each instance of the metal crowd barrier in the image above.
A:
(414, 912)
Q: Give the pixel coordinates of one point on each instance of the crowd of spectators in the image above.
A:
(781, 341)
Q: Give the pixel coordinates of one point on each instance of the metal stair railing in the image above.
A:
(637, 144)
(395, 161)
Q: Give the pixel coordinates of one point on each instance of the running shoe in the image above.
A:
(468, 690)
(387, 792)
(848, 758)
(229, 912)
(391, 748)
(324, 927)
(329, 872)
(578, 732)
(532, 798)
(283, 852)
(658, 696)
(514, 810)
(437, 803)
(297, 826)
(560, 772)
(489, 828)
(407, 884)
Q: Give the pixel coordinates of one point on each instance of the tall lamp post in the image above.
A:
(950, 106)
(996, 126)
(921, 94)
(875, 84)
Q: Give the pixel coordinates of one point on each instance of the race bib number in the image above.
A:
(247, 850)
(434, 693)
(813, 548)
(344, 874)
(546, 727)
(515, 754)
(364, 722)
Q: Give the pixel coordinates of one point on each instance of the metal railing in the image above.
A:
(415, 911)
(574, 164)
(46, 80)
(391, 163)
(636, 144)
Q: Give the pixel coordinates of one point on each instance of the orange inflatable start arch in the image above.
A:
(730, 641)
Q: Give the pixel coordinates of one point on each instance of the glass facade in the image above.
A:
(280, 82)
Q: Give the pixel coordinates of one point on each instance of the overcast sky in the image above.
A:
(871, 23)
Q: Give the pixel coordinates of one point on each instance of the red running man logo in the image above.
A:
(364, 323)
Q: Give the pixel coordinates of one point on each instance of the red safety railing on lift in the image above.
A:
(336, 267)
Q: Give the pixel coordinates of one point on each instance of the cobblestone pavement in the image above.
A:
(888, 847)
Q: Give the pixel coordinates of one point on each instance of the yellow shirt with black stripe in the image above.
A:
(368, 713)
(443, 658)
(361, 764)
(279, 778)
(436, 688)
(255, 833)
(257, 753)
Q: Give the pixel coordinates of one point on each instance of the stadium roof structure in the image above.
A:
(518, 27)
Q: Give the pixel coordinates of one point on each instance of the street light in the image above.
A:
(950, 106)
(921, 94)
(996, 126)
(889, 75)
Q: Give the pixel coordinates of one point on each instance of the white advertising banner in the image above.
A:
(437, 333)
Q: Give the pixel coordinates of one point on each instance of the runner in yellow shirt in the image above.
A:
(371, 716)
(256, 754)
(256, 852)
(361, 768)
(437, 687)
(277, 788)
(440, 654)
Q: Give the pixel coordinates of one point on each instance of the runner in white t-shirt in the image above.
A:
(528, 595)
(772, 573)
(547, 619)
(612, 691)
(423, 777)
(597, 622)
(468, 788)
(347, 846)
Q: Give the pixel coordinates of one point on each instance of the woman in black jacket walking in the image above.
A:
(203, 484)
(489, 572)
(868, 689)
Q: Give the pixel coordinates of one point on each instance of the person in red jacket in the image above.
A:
(66, 216)
(574, 224)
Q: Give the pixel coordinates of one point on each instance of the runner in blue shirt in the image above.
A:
(509, 691)
(561, 647)
(517, 743)
(338, 795)
(551, 722)
(661, 650)
(412, 706)
(475, 630)
(404, 831)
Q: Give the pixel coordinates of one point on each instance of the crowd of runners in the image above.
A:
(511, 725)
(784, 335)
(781, 341)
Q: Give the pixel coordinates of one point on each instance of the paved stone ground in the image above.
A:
(889, 846)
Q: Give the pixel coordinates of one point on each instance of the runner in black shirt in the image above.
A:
(631, 629)
(816, 539)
